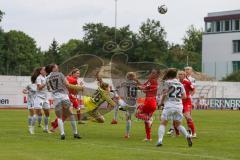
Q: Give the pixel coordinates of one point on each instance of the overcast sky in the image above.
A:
(63, 19)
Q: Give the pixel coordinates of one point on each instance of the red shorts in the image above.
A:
(150, 105)
(187, 105)
(74, 102)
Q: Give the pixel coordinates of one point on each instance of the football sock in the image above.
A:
(148, 129)
(54, 124)
(73, 124)
(30, 120)
(61, 126)
(115, 112)
(39, 120)
(183, 131)
(78, 115)
(128, 126)
(191, 125)
(172, 126)
(161, 131)
(46, 122)
(33, 120)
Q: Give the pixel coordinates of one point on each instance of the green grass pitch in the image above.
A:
(218, 138)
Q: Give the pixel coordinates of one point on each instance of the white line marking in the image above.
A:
(157, 151)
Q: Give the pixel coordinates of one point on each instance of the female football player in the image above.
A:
(187, 103)
(36, 106)
(30, 90)
(172, 95)
(93, 102)
(146, 110)
(72, 78)
(74, 97)
(41, 100)
(58, 86)
(129, 101)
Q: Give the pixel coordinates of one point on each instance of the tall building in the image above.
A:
(221, 44)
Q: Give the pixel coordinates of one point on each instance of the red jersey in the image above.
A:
(72, 80)
(151, 87)
(188, 87)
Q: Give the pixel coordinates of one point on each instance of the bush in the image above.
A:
(234, 77)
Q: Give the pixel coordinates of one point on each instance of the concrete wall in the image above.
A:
(217, 54)
(11, 90)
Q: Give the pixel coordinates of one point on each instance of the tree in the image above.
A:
(234, 77)
(192, 41)
(71, 48)
(192, 44)
(20, 54)
(2, 42)
(1, 15)
(52, 55)
(96, 35)
(152, 44)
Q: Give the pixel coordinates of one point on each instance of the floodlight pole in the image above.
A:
(115, 36)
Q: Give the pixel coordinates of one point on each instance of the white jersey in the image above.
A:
(41, 80)
(32, 89)
(56, 85)
(192, 80)
(129, 90)
(174, 91)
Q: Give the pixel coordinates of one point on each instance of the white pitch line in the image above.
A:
(157, 151)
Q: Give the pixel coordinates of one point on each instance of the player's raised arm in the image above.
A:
(99, 79)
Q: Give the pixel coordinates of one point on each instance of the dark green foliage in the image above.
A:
(19, 54)
(234, 77)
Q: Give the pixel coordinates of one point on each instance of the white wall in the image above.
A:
(11, 90)
(217, 54)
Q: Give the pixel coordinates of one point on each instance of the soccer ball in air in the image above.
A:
(162, 9)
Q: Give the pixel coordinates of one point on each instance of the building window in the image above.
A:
(222, 26)
(236, 25)
(236, 46)
(209, 27)
(227, 25)
(218, 26)
(236, 66)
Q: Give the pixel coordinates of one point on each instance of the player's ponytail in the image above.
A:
(35, 74)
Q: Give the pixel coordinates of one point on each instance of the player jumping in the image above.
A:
(172, 95)
(187, 103)
(146, 110)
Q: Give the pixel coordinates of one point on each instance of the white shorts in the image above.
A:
(41, 103)
(130, 110)
(30, 104)
(59, 99)
(169, 114)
